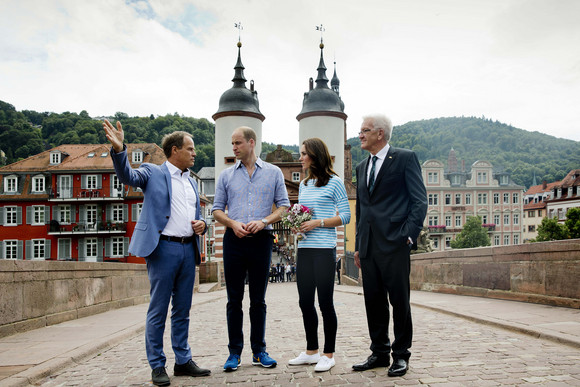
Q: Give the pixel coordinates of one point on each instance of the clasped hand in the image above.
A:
(241, 230)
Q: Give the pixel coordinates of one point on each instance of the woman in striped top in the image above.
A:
(323, 192)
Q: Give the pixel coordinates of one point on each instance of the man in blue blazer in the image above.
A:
(167, 236)
(391, 205)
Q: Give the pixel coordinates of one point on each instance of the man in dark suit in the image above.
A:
(391, 206)
(167, 236)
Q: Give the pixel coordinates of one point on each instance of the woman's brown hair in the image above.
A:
(321, 162)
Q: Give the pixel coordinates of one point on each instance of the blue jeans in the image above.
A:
(251, 255)
(171, 271)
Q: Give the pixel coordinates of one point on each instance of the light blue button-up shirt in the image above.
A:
(249, 199)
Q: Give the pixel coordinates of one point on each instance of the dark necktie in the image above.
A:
(372, 177)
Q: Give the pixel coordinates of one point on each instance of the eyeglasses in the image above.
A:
(365, 131)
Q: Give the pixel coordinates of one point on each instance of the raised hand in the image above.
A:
(115, 136)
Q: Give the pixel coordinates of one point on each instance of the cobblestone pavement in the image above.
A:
(447, 351)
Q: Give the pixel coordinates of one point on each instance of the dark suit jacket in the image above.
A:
(396, 208)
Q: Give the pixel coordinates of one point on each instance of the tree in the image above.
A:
(551, 230)
(573, 222)
(472, 235)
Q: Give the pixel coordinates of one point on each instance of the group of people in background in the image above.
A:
(280, 272)
(251, 196)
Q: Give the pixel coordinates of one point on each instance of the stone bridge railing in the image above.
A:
(545, 273)
(34, 294)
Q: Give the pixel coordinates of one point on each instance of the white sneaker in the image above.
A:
(303, 358)
(324, 364)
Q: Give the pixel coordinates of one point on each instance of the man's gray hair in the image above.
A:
(380, 121)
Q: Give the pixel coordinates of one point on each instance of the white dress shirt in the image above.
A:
(183, 204)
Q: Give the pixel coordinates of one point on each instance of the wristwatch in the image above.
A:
(265, 221)
(321, 222)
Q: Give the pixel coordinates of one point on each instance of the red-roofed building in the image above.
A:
(565, 195)
(535, 200)
(66, 203)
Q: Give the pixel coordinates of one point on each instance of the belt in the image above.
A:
(188, 239)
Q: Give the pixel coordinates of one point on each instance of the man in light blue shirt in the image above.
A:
(248, 189)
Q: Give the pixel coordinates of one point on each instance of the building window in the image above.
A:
(539, 213)
(496, 240)
(495, 198)
(504, 180)
(91, 248)
(38, 215)
(91, 216)
(456, 180)
(457, 198)
(10, 184)
(481, 198)
(506, 220)
(295, 176)
(516, 219)
(433, 177)
(38, 184)
(11, 216)
(116, 187)
(137, 156)
(506, 198)
(38, 249)
(64, 248)
(515, 198)
(433, 199)
(531, 214)
(496, 219)
(481, 177)
(436, 243)
(117, 213)
(55, 158)
(117, 247)
(64, 213)
(448, 220)
(532, 228)
(561, 214)
(91, 181)
(516, 239)
(484, 219)
(433, 220)
(448, 242)
(457, 220)
(447, 199)
(467, 199)
(506, 240)
(11, 249)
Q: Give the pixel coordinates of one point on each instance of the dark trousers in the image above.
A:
(171, 271)
(251, 255)
(386, 279)
(315, 272)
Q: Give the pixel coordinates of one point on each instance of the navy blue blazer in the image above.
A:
(155, 181)
(396, 208)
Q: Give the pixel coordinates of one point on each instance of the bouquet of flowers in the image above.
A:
(294, 216)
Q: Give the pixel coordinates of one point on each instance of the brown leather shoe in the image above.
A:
(190, 369)
(373, 361)
(399, 367)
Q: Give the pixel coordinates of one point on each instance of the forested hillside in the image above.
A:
(519, 152)
(516, 151)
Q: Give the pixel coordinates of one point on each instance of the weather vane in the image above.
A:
(321, 29)
(238, 25)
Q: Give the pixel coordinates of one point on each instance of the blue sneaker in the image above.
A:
(264, 360)
(232, 363)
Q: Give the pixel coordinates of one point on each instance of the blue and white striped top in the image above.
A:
(324, 202)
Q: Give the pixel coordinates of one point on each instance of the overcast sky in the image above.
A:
(515, 61)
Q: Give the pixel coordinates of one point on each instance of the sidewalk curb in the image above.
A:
(43, 370)
(562, 338)
(47, 368)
